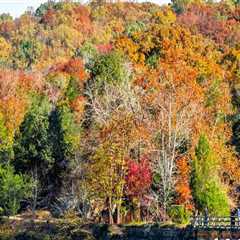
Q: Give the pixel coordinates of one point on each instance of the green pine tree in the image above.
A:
(32, 147)
(207, 190)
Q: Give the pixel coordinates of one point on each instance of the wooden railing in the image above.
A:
(202, 222)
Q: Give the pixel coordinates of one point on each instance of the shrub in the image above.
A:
(110, 68)
(135, 27)
(179, 214)
(13, 189)
(32, 235)
(1, 211)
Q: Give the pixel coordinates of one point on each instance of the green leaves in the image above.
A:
(65, 133)
(112, 82)
(32, 147)
(179, 214)
(27, 53)
(43, 8)
(13, 189)
(4, 144)
(110, 68)
(207, 190)
(135, 27)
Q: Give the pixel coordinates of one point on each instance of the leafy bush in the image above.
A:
(152, 60)
(135, 27)
(27, 53)
(13, 189)
(32, 235)
(88, 53)
(110, 68)
(32, 147)
(1, 211)
(179, 214)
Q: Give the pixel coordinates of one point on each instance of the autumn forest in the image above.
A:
(120, 112)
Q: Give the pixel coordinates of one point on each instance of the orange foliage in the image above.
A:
(78, 106)
(75, 68)
(184, 196)
(81, 19)
(13, 101)
(13, 110)
(49, 18)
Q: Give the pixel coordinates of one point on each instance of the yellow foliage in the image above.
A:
(5, 49)
(165, 16)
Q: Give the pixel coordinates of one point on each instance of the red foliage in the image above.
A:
(58, 67)
(207, 21)
(104, 48)
(26, 80)
(139, 177)
(74, 67)
(77, 17)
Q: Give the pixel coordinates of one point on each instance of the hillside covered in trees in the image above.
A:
(121, 112)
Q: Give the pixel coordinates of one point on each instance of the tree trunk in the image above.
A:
(119, 217)
(110, 220)
(35, 191)
(137, 212)
(164, 211)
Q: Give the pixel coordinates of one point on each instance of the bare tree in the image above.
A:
(170, 126)
(115, 100)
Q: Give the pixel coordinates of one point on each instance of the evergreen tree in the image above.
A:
(207, 190)
(13, 189)
(32, 147)
(65, 139)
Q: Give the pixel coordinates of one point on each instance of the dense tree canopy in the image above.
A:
(121, 111)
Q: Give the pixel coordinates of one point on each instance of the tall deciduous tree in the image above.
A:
(113, 114)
